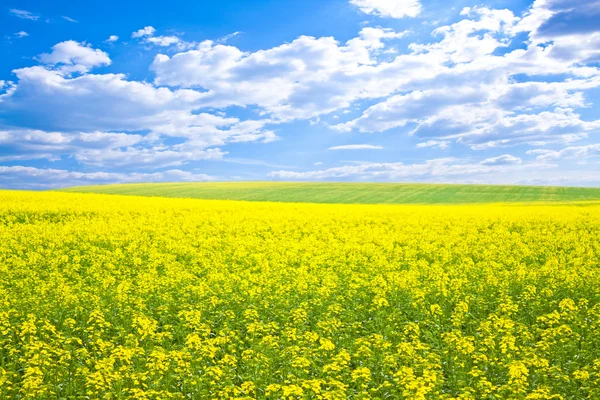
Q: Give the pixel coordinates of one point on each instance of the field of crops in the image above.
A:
(148, 298)
(349, 193)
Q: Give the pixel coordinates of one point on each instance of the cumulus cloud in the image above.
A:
(163, 41)
(572, 27)
(91, 101)
(112, 39)
(546, 127)
(146, 35)
(111, 102)
(356, 147)
(7, 88)
(21, 34)
(162, 112)
(303, 79)
(71, 56)
(145, 31)
(389, 8)
(64, 116)
(560, 18)
(90, 117)
(476, 99)
(399, 110)
(572, 152)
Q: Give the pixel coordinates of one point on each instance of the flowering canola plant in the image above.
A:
(113, 297)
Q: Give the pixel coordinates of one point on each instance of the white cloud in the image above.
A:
(109, 102)
(71, 56)
(476, 100)
(112, 38)
(570, 27)
(21, 34)
(439, 170)
(163, 41)
(538, 151)
(151, 158)
(36, 144)
(573, 152)
(228, 37)
(505, 159)
(399, 110)
(470, 39)
(146, 35)
(91, 102)
(110, 150)
(440, 144)
(24, 14)
(356, 147)
(40, 178)
(303, 79)
(310, 77)
(145, 31)
(69, 19)
(372, 39)
(7, 88)
(389, 8)
(449, 170)
(561, 125)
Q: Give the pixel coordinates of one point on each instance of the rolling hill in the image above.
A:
(350, 193)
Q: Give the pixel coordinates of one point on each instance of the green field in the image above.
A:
(350, 193)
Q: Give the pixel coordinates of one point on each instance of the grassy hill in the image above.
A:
(352, 193)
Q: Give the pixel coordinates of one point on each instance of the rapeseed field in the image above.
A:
(114, 297)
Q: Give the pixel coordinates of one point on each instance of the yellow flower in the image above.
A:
(361, 374)
(326, 344)
(581, 375)
(151, 298)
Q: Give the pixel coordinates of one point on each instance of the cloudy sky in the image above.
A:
(499, 91)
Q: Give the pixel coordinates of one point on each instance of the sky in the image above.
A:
(453, 91)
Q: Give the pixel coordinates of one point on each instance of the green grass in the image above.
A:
(352, 193)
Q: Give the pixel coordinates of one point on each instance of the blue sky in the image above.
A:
(331, 90)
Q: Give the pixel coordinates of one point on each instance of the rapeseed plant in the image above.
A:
(123, 297)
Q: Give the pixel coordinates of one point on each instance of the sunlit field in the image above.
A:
(349, 193)
(105, 296)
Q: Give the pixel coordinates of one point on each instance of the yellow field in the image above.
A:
(128, 297)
